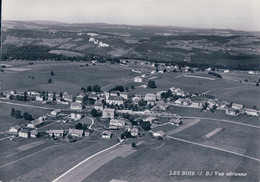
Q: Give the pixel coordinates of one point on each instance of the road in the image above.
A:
(26, 105)
(82, 170)
(92, 121)
(223, 120)
(232, 88)
(214, 148)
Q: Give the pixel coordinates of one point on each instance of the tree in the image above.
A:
(94, 112)
(96, 88)
(145, 125)
(132, 87)
(133, 144)
(257, 84)
(12, 112)
(246, 80)
(151, 84)
(50, 80)
(78, 126)
(52, 73)
(254, 107)
(89, 88)
(83, 89)
(119, 88)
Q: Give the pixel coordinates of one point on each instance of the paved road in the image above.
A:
(5, 138)
(92, 121)
(214, 148)
(92, 163)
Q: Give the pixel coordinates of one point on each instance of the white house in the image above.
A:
(56, 133)
(106, 134)
(76, 132)
(24, 133)
(251, 112)
(117, 122)
(237, 106)
(124, 95)
(134, 132)
(138, 79)
(108, 113)
(39, 98)
(56, 112)
(76, 106)
(14, 129)
(115, 100)
(76, 116)
(159, 133)
(150, 96)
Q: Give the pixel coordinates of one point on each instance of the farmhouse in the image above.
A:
(76, 106)
(124, 95)
(39, 98)
(159, 133)
(24, 133)
(134, 132)
(56, 133)
(117, 122)
(56, 112)
(237, 106)
(76, 132)
(76, 116)
(251, 112)
(35, 123)
(138, 79)
(108, 113)
(34, 134)
(14, 129)
(231, 112)
(67, 97)
(115, 100)
(106, 134)
(176, 121)
(150, 96)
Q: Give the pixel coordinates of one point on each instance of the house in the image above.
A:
(35, 123)
(176, 121)
(33, 93)
(186, 102)
(106, 134)
(179, 92)
(67, 97)
(151, 102)
(14, 129)
(93, 96)
(56, 133)
(237, 106)
(39, 98)
(79, 99)
(212, 103)
(134, 132)
(138, 79)
(231, 112)
(108, 113)
(42, 118)
(75, 116)
(114, 93)
(195, 104)
(136, 99)
(150, 119)
(124, 95)
(179, 101)
(56, 112)
(76, 132)
(76, 106)
(34, 134)
(98, 106)
(51, 95)
(159, 133)
(172, 89)
(150, 96)
(117, 122)
(111, 127)
(251, 112)
(125, 111)
(158, 94)
(24, 133)
(115, 100)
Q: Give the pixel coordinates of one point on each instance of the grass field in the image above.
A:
(49, 159)
(154, 165)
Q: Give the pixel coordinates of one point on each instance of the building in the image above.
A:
(39, 98)
(42, 118)
(106, 134)
(67, 97)
(34, 134)
(251, 112)
(35, 123)
(150, 119)
(138, 79)
(76, 132)
(134, 132)
(79, 99)
(56, 133)
(159, 133)
(159, 94)
(24, 133)
(150, 96)
(117, 122)
(151, 102)
(56, 112)
(176, 121)
(93, 96)
(115, 100)
(99, 106)
(14, 129)
(75, 116)
(108, 113)
(114, 93)
(51, 95)
(231, 112)
(76, 106)
(237, 106)
(136, 100)
(124, 95)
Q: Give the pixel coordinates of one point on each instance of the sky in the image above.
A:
(226, 14)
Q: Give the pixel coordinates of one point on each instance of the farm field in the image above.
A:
(59, 156)
(174, 156)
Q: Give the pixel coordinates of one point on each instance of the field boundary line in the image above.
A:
(211, 147)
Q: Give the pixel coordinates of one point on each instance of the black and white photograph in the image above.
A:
(130, 91)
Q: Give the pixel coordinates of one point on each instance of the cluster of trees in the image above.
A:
(95, 113)
(151, 84)
(215, 74)
(145, 125)
(18, 115)
(126, 134)
(81, 126)
(95, 88)
(119, 88)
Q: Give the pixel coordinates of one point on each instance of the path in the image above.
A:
(25, 105)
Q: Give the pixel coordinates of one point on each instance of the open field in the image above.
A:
(174, 156)
(59, 157)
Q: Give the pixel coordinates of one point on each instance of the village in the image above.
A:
(116, 111)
